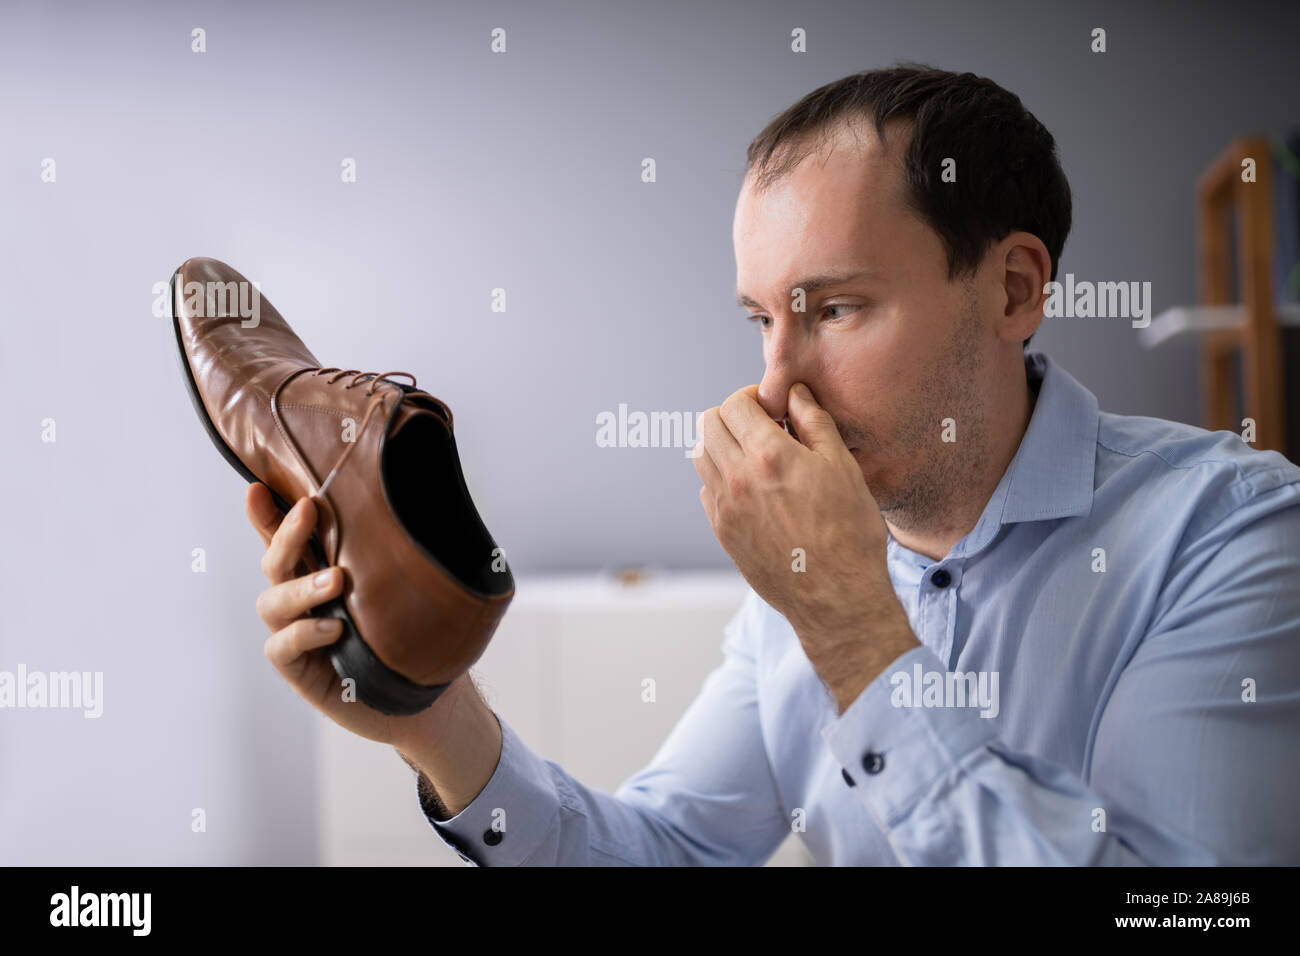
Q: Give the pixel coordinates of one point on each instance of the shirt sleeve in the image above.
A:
(1194, 755)
(707, 797)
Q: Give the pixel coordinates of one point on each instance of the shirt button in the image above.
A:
(491, 837)
(847, 778)
(873, 763)
(941, 578)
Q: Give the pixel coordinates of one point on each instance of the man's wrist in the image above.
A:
(432, 805)
(453, 769)
(856, 658)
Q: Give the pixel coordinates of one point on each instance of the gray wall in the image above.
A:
(475, 171)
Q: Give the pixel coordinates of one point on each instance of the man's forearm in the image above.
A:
(456, 763)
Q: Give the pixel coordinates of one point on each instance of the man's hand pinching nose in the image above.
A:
(799, 523)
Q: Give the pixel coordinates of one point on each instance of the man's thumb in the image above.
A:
(814, 424)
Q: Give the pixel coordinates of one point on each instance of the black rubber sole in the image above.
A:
(377, 685)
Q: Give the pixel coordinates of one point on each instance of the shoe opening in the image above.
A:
(427, 492)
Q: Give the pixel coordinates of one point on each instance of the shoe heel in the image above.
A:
(377, 685)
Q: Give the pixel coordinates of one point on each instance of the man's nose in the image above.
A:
(784, 357)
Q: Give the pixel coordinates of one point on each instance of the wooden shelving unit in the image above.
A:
(1258, 338)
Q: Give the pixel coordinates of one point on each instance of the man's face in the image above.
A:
(891, 349)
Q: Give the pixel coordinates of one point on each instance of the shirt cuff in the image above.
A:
(506, 823)
(892, 753)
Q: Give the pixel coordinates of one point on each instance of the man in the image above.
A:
(988, 624)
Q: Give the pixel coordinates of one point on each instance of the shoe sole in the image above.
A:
(377, 685)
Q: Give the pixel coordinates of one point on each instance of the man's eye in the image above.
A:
(765, 322)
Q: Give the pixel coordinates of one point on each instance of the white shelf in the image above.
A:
(1185, 322)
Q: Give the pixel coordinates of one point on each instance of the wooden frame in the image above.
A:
(1219, 191)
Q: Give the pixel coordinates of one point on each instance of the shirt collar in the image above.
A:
(1051, 474)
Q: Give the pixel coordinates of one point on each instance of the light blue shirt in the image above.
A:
(1126, 619)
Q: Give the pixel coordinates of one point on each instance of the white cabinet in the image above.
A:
(565, 669)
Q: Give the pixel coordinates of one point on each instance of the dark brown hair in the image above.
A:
(1009, 177)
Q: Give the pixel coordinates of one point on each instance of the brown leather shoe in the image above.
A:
(425, 584)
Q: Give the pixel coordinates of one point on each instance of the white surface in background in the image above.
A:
(565, 670)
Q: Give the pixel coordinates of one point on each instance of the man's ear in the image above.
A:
(1025, 269)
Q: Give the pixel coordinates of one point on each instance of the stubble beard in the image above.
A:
(936, 471)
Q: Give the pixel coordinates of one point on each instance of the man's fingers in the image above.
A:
(288, 601)
(262, 513)
(289, 543)
(706, 499)
(289, 643)
(719, 443)
(814, 424)
(705, 468)
(745, 418)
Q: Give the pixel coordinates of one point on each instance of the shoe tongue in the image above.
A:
(407, 413)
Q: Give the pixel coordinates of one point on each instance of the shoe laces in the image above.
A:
(357, 376)
(377, 400)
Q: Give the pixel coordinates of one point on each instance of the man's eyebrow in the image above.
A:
(811, 284)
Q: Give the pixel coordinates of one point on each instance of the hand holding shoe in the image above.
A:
(297, 643)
